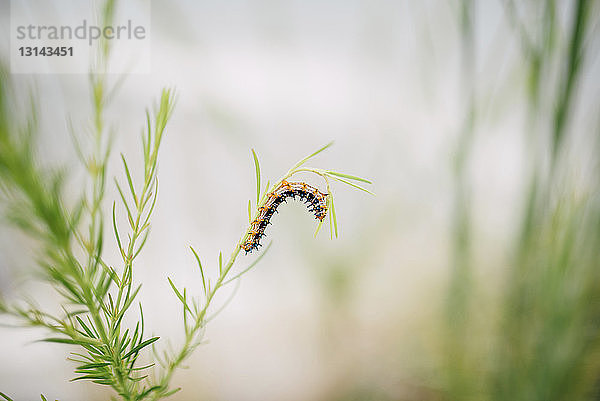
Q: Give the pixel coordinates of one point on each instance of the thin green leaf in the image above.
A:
(126, 305)
(352, 184)
(185, 323)
(76, 312)
(201, 269)
(125, 340)
(196, 307)
(94, 365)
(146, 222)
(143, 367)
(135, 333)
(90, 377)
(220, 262)
(116, 231)
(257, 168)
(249, 211)
(104, 382)
(318, 227)
(84, 326)
(104, 284)
(92, 327)
(129, 180)
(155, 192)
(111, 272)
(333, 217)
(181, 298)
(7, 398)
(68, 341)
(351, 177)
(137, 379)
(111, 303)
(304, 160)
(140, 346)
(146, 392)
(59, 340)
(147, 139)
(142, 321)
(129, 216)
(69, 286)
(146, 234)
(84, 358)
(170, 393)
(77, 213)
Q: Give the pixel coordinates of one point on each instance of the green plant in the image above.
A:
(195, 310)
(96, 296)
(539, 341)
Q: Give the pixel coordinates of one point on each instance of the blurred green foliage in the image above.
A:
(542, 334)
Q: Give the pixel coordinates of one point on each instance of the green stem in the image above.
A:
(190, 340)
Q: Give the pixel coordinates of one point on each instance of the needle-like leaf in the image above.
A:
(181, 297)
(352, 184)
(139, 347)
(200, 267)
(351, 177)
(307, 158)
(249, 211)
(257, 169)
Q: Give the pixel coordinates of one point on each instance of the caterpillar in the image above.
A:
(317, 204)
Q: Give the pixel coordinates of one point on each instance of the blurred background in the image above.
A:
(473, 274)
